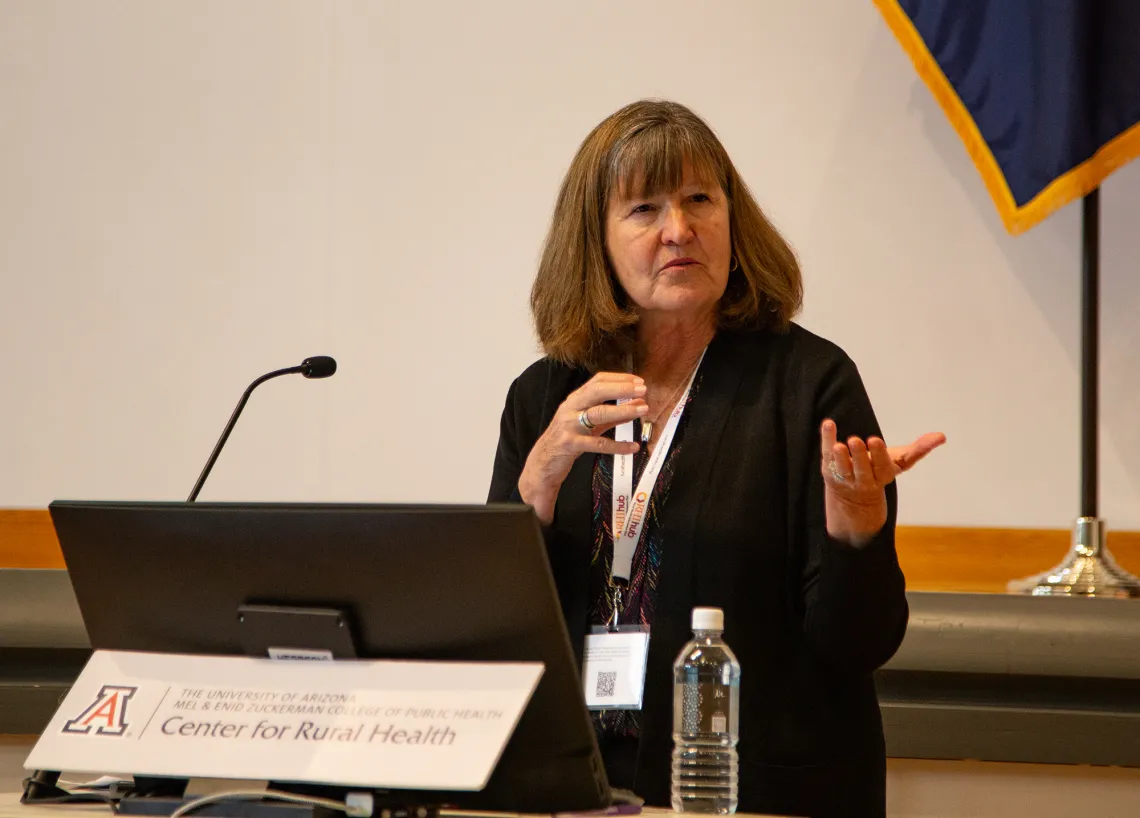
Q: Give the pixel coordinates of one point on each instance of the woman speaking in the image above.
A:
(664, 303)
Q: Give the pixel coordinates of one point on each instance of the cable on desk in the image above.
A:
(358, 807)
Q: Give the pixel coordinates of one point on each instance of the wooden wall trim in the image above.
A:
(27, 539)
(933, 559)
(985, 559)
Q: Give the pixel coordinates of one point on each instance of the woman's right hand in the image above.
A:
(566, 437)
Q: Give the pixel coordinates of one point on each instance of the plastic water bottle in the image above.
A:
(706, 719)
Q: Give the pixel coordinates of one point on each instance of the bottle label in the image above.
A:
(708, 707)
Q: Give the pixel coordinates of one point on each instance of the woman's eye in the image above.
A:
(642, 208)
(701, 197)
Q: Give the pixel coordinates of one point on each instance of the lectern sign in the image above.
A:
(415, 725)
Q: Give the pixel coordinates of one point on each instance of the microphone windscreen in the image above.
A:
(319, 366)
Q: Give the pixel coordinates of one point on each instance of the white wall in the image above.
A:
(193, 193)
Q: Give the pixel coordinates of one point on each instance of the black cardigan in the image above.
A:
(809, 617)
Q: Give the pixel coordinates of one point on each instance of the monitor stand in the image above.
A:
(283, 632)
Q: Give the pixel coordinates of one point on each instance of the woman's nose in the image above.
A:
(677, 228)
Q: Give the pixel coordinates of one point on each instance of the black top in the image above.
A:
(809, 617)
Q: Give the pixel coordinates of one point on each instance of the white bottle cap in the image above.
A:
(708, 619)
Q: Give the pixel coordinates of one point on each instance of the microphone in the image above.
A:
(318, 366)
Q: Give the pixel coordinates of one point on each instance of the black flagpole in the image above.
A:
(1090, 350)
(1088, 569)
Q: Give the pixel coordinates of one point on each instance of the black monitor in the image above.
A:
(416, 582)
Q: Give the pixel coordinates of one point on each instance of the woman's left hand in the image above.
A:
(855, 475)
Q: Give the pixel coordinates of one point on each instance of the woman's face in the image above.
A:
(671, 252)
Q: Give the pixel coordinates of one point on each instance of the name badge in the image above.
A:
(613, 675)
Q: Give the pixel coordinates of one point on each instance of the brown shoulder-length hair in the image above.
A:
(580, 311)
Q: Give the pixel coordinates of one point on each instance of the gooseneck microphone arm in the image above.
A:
(319, 366)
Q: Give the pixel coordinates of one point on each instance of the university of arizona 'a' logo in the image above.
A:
(106, 715)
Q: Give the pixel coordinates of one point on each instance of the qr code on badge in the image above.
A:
(607, 684)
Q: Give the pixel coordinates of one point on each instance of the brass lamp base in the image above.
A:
(1087, 570)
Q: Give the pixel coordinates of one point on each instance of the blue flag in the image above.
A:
(1045, 94)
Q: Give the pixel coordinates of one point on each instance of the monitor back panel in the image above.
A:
(431, 582)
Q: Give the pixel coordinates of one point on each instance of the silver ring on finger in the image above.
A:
(834, 469)
(584, 421)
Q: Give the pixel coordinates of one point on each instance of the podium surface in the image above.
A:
(10, 807)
